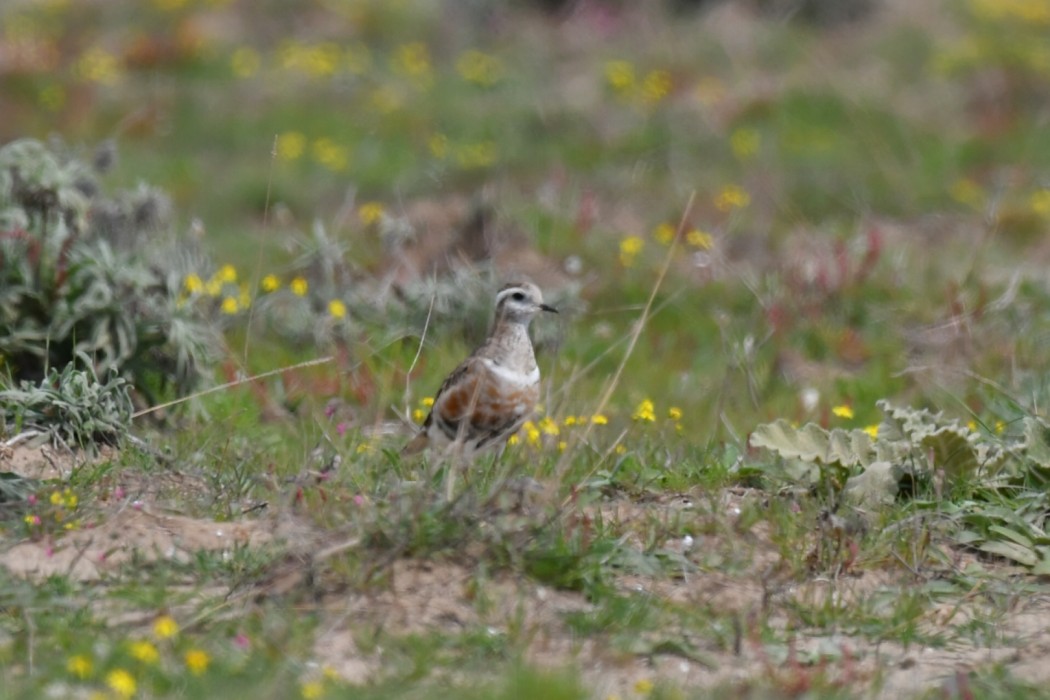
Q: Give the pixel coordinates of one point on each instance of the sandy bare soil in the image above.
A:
(445, 596)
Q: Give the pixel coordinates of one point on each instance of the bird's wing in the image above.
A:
(454, 385)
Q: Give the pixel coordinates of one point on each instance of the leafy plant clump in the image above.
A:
(73, 406)
(998, 500)
(77, 279)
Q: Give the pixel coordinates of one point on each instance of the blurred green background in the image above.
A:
(870, 179)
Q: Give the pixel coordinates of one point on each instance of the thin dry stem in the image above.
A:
(230, 385)
(563, 463)
(419, 351)
(258, 257)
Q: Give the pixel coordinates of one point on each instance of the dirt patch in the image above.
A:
(424, 597)
(91, 553)
(122, 528)
(447, 598)
(734, 572)
(44, 462)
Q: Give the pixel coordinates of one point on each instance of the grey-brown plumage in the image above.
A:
(494, 391)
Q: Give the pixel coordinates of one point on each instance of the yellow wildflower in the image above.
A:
(419, 415)
(1040, 202)
(700, 239)
(872, 430)
(229, 306)
(548, 427)
(967, 192)
(121, 682)
(227, 273)
(843, 411)
(513, 440)
(193, 283)
(322, 60)
(476, 155)
(144, 651)
(80, 666)
(413, 60)
(656, 86)
(214, 287)
(330, 154)
(437, 144)
(562, 445)
(674, 413)
(197, 661)
(56, 498)
(569, 421)
(290, 145)
(643, 686)
(270, 283)
(299, 287)
(645, 412)
(99, 66)
(599, 419)
(664, 233)
(629, 249)
(165, 627)
(370, 212)
(532, 433)
(732, 197)
(311, 690)
(427, 401)
(620, 76)
(336, 308)
(479, 68)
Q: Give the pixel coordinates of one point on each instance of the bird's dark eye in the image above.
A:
(518, 296)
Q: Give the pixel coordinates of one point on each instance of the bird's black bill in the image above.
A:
(545, 307)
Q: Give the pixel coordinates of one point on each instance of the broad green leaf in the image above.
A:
(1042, 567)
(878, 484)
(814, 444)
(1010, 550)
(1012, 535)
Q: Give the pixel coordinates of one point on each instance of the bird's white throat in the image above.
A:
(512, 375)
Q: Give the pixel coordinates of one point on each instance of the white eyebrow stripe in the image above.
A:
(507, 292)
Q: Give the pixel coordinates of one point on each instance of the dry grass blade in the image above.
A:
(565, 461)
(419, 351)
(230, 385)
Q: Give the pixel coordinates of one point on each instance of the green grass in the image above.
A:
(890, 247)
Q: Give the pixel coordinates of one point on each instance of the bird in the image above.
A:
(491, 394)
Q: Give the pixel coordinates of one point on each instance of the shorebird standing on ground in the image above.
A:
(494, 391)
